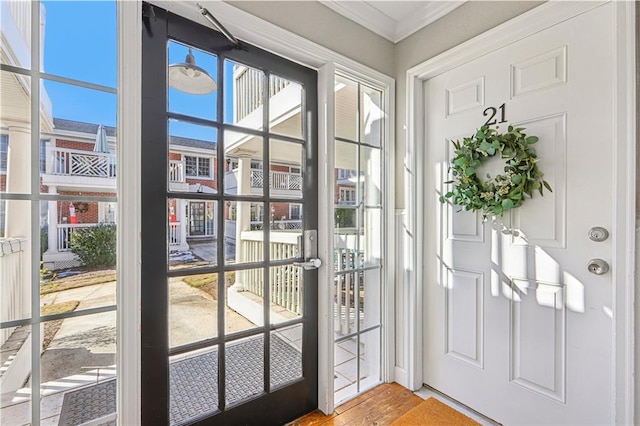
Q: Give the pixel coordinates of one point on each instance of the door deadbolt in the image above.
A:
(598, 266)
(598, 234)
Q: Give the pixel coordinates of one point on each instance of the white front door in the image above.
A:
(516, 327)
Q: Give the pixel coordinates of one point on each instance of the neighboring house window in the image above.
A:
(43, 155)
(345, 173)
(347, 196)
(197, 166)
(295, 211)
(4, 148)
(200, 217)
(256, 213)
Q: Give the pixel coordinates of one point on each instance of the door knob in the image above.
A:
(598, 266)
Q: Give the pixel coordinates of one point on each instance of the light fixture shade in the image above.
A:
(190, 78)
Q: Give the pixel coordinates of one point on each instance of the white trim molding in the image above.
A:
(129, 212)
(535, 20)
(624, 224)
(394, 30)
(326, 156)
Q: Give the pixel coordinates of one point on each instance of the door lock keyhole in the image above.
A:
(598, 234)
(598, 266)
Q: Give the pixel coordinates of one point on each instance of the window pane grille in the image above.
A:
(204, 167)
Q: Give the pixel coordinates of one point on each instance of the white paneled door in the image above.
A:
(516, 327)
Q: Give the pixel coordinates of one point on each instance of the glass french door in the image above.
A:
(229, 324)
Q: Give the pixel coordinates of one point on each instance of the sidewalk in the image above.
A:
(83, 351)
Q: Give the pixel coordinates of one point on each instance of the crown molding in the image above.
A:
(430, 12)
(363, 13)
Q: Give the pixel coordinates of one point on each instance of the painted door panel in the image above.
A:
(515, 325)
(229, 330)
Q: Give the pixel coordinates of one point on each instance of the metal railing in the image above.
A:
(71, 162)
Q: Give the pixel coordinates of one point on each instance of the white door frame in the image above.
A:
(288, 45)
(516, 29)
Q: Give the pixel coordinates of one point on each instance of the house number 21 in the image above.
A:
(493, 111)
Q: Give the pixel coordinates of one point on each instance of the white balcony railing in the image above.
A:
(285, 281)
(66, 230)
(21, 13)
(249, 85)
(176, 171)
(71, 162)
(15, 291)
(278, 224)
(175, 235)
(278, 180)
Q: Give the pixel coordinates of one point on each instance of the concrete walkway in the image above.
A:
(83, 350)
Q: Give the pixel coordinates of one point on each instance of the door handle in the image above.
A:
(309, 264)
(598, 266)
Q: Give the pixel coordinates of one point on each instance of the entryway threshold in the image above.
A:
(428, 392)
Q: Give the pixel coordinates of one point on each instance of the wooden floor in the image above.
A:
(380, 406)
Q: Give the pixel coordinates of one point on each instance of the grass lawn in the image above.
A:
(209, 282)
(52, 327)
(80, 280)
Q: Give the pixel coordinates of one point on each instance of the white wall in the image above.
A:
(322, 25)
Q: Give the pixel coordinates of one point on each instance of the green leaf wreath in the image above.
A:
(494, 196)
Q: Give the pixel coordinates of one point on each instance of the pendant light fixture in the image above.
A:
(189, 78)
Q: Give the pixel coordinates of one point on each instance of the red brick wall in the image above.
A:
(279, 168)
(89, 216)
(174, 156)
(68, 144)
(204, 182)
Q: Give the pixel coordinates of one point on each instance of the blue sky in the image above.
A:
(80, 43)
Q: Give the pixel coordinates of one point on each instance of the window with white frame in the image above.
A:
(197, 166)
(295, 211)
(358, 262)
(73, 101)
(347, 196)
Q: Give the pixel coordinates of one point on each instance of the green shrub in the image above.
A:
(95, 246)
(345, 217)
(44, 240)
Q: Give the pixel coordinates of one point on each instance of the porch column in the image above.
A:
(243, 214)
(52, 219)
(183, 217)
(18, 213)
